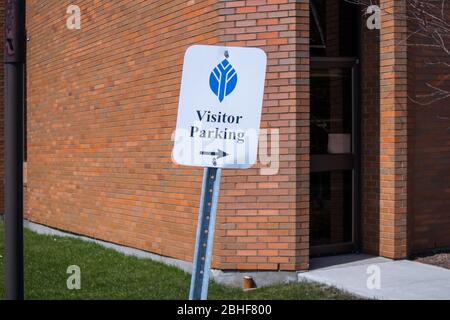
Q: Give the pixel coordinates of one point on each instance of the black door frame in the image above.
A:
(344, 162)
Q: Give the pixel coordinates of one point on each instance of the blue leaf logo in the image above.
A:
(223, 80)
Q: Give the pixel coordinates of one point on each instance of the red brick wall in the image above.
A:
(429, 142)
(393, 130)
(264, 220)
(415, 154)
(370, 146)
(102, 105)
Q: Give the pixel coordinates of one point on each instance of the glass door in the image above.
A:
(334, 156)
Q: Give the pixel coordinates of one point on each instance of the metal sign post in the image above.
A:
(205, 234)
(219, 116)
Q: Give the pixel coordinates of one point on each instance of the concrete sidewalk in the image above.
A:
(399, 280)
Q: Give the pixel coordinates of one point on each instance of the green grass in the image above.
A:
(106, 274)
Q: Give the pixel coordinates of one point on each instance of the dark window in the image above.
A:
(334, 28)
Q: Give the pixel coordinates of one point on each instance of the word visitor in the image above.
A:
(218, 133)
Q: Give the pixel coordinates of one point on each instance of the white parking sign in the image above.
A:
(220, 106)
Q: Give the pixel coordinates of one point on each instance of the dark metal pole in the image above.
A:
(14, 136)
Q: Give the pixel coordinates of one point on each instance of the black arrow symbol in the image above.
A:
(219, 154)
